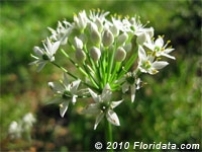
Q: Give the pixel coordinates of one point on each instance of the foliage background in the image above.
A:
(168, 109)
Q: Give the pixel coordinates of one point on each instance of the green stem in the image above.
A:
(73, 76)
(108, 134)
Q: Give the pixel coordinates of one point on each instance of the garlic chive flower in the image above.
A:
(103, 107)
(147, 63)
(46, 54)
(130, 82)
(66, 92)
(61, 33)
(158, 48)
(22, 127)
(105, 54)
(15, 130)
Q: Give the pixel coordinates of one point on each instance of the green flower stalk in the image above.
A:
(103, 49)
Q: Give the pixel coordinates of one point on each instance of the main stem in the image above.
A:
(108, 134)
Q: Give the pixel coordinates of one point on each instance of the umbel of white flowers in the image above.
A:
(103, 48)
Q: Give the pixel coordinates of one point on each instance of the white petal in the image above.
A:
(106, 93)
(114, 104)
(38, 51)
(55, 47)
(168, 50)
(74, 99)
(63, 108)
(138, 82)
(74, 86)
(159, 64)
(65, 79)
(91, 109)
(56, 87)
(132, 91)
(112, 118)
(55, 100)
(159, 42)
(98, 119)
(141, 53)
(168, 56)
(41, 66)
(125, 87)
(94, 95)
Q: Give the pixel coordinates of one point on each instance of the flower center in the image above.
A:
(66, 95)
(45, 57)
(130, 79)
(147, 65)
(103, 107)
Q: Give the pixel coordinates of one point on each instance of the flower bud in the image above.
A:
(78, 43)
(107, 38)
(94, 33)
(141, 38)
(127, 47)
(121, 39)
(80, 55)
(115, 27)
(99, 24)
(144, 35)
(81, 20)
(150, 31)
(120, 55)
(115, 31)
(95, 53)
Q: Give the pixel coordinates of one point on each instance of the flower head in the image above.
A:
(110, 52)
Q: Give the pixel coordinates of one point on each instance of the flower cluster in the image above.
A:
(23, 126)
(103, 49)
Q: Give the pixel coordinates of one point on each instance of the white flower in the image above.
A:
(28, 120)
(15, 129)
(130, 82)
(103, 107)
(98, 15)
(98, 18)
(147, 64)
(67, 92)
(46, 54)
(144, 35)
(158, 48)
(61, 33)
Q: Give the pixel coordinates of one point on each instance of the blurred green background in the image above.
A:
(167, 109)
